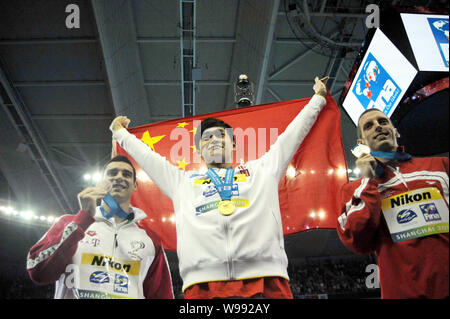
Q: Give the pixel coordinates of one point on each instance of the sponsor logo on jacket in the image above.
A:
(121, 284)
(430, 212)
(405, 216)
(99, 277)
(130, 267)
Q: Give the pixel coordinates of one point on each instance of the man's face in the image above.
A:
(120, 177)
(378, 132)
(216, 146)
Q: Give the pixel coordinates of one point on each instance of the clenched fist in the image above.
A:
(90, 197)
(367, 164)
(118, 123)
(319, 86)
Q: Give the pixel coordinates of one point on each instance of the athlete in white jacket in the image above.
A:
(228, 246)
(96, 254)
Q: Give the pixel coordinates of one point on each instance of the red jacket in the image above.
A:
(415, 268)
(96, 258)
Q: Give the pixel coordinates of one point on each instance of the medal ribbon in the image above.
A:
(114, 208)
(399, 156)
(223, 188)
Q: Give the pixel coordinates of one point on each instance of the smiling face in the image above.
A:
(121, 178)
(216, 147)
(377, 132)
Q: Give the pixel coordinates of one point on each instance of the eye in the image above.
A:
(127, 174)
(112, 172)
(206, 137)
(367, 126)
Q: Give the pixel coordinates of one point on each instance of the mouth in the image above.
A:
(215, 147)
(118, 187)
(382, 136)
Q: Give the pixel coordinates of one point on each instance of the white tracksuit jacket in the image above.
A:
(247, 244)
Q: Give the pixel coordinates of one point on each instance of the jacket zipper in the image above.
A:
(228, 248)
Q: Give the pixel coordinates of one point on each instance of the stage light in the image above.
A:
(96, 177)
(87, 177)
(50, 219)
(290, 172)
(26, 214)
(43, 218)
(172, 219)
(349, 171)
(312, 171)
(330, 171)
(243, 91)
(163, 219)
(356, 171)
(321, 214)
(341, 172)
(312, 214)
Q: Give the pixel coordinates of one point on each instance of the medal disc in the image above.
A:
(226, 207)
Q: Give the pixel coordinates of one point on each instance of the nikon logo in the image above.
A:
(131, 267)
(406, 199)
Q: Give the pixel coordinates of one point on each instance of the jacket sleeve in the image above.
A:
(48, 258)
(361, 216)
(165, 175)
(281, 152)
(158, 281)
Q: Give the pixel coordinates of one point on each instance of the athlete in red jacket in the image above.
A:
(102, 252)
(399, 211)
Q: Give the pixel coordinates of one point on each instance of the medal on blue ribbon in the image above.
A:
(114, 208)
(224, 188)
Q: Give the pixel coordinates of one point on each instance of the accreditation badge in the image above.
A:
(418, 213)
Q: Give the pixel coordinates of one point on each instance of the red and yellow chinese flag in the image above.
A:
(308, 193)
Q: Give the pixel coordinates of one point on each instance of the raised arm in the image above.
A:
(165, 175)
(281, 152)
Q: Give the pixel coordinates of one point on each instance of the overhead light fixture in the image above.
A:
(243, 91)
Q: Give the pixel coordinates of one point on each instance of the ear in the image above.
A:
(135, 186)
(396, 133)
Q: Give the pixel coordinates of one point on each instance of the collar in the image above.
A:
(400, 155)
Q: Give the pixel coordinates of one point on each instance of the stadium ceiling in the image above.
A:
(153, 60)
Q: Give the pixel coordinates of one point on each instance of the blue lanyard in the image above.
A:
(223, 188)
(399, 156)
(114, 208)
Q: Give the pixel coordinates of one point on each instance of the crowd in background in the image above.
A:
(309, 277)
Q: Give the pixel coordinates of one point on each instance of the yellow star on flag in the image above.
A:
(194, 148)
(182, 164)
(182, 124)
(150, 141)
(194, 130)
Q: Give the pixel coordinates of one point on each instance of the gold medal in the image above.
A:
(226, 207)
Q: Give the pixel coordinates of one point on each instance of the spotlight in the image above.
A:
(290, 172)
(96, 177)
(321, 214)
(87, 177)
(243, 91)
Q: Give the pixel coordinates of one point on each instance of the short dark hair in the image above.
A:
(358, 128)
(211, 122)
(122, 158)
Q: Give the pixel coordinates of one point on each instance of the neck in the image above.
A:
(386, 161)
(219, 165)
(126, 207)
